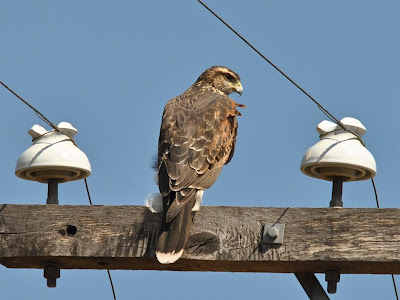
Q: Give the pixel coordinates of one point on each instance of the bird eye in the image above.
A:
(228, 77)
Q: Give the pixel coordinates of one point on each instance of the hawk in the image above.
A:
(197, 138)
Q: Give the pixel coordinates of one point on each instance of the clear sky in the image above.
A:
(109, 67)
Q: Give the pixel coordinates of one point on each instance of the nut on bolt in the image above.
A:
(332, 277)
(51, 273)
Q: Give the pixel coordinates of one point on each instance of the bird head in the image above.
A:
(223, 79)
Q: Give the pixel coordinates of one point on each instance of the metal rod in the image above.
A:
(311, 286)
(52, 193)
(337, 192)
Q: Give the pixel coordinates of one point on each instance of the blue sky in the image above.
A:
(109, 67)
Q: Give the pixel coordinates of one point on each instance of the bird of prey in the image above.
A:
(197, 138)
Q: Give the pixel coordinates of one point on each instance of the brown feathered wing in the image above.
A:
(197, 137)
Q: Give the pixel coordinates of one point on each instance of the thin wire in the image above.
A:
(38, 113)
(112, 285)
(376, 193)
(47, 121)
(395, 287)
(378, 206)
(328, 114)
(108, 271)
(323, 109)
(87, 191)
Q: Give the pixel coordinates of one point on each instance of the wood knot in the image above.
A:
(202, 243)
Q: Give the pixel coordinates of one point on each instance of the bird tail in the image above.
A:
(174, 234)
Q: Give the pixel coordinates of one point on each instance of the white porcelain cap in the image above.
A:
(53, 155)
(339, 153)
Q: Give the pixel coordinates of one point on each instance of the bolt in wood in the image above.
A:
(337, 189)
(52, 192)
(51, 273)
(332, 277)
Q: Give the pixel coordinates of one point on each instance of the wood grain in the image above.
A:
(226, 239)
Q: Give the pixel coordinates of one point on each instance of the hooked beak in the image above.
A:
(239, 88)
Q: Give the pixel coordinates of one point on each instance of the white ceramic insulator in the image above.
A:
(53, 155)
(339, 153)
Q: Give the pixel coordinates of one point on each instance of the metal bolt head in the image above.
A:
(272, 233)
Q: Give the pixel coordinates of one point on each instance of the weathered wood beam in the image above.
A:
(226, 239)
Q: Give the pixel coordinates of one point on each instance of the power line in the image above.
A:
(38, 113)
(323, 109)
(47, 121)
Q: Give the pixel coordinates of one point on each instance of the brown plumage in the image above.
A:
(197, 137)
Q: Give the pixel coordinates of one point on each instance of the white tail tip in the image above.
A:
(154, 202)
(168, 258)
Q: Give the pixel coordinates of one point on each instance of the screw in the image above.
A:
(272, 233)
